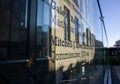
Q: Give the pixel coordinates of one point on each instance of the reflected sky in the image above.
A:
(111, 13)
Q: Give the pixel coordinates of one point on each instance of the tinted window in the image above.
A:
(13, 27)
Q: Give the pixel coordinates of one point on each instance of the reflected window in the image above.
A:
(76, 30)
(88, 36)
(76, 2)
(19, 28)
(67, 24)
(84, 39)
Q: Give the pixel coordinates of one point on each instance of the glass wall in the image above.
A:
(100, 43)
(15, 32)
(24, 37)
(51, 41)
(100, 38)
(13, 29)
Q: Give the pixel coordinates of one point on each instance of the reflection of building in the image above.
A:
(19, 13)
(73, 44)
(117, 43)
(99, 51)
(112, 55)
(113, 51)
(4, 20)
(46, 41)
(98, 43)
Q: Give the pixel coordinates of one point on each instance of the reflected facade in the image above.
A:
(50, 42)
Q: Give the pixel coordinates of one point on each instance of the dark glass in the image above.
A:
(5, 21)
(13, 27)
(19, 29)
(81, 5)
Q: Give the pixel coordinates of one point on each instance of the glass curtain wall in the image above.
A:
(100, 43)
(13, 41)
(24, 41)
(13, 29)
(14, 34)
(27, 40)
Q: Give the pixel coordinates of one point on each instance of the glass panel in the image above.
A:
(13, 27)
(19, 29)
(43, 24)
(5, 13)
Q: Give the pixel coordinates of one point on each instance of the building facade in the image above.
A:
(46, 41)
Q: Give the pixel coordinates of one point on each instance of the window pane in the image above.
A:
(43, 24)
(76, 30)
(5, 13)
(13, 27)
(19, 28)
(67, 24)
